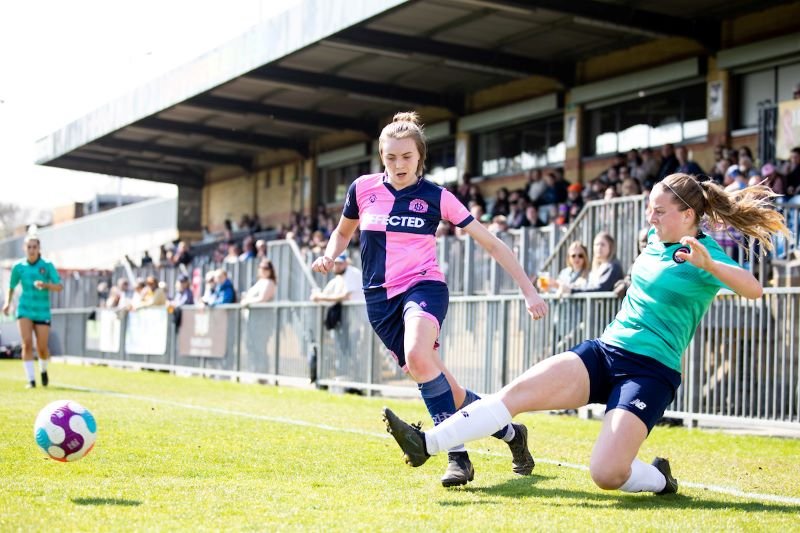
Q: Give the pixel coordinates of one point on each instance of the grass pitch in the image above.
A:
(192, 454)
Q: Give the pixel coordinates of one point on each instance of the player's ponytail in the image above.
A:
(406, 124)
(750, 210)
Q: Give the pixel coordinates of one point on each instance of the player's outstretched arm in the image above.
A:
(738, 279)
(340, 238)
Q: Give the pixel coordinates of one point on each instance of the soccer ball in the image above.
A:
(65, 430)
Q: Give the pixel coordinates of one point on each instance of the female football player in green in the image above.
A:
(37, 278)
(635, 366)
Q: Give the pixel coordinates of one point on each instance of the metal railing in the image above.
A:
(741, 365)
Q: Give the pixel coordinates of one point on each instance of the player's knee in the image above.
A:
(44, 353)
(418, 361)
(27, 346)
(607, 477)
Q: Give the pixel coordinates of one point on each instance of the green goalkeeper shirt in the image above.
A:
(666, 301)
(34, 303)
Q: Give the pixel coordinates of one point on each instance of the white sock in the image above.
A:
(43, 365)
(644, 478)
(510, 434)
(479, 419)
(29, 370)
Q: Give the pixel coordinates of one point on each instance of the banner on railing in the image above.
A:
(146, 333)
(203, 333)
(103, 333)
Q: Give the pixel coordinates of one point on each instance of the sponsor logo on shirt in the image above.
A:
(418, 206)
(394, 220)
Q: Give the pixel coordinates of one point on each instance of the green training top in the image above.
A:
(34, 303)
(665, 303)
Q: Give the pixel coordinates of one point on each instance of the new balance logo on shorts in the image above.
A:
(639, 404)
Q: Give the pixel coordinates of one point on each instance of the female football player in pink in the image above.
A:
(398, 211)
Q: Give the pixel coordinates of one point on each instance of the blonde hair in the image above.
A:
(749, 210)
(406, 125)
(579, 246)
(612, 244)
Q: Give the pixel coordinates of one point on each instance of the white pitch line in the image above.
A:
(291, 421)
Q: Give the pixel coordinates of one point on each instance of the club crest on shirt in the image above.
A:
(372, 198)
(684, 249)
(42, 271)
(418, 206)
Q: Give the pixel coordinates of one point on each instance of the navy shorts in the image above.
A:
(387, 317)
(36, 322)
(624, 380)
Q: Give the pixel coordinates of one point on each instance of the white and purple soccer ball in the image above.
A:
(65, 430)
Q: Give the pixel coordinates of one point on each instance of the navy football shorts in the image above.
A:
(428, 299)
(625, 380)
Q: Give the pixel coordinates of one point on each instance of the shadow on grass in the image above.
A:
(106, 501)
(525, 488)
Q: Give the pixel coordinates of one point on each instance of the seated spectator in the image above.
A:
(183, 292)
(248, 248)
(669, 163)
(233, 254)
(211, 284)
(224, 292)
(791, 171)
(536, 185)
(153, 296)
(621, 287)
(630, 187)
(138, 294)
(686, 165)
(746, 166)
(771, 178)
(112, 301)
(606, 269)
(500, 206)
(575, 197)
(516, 215)
(647, 170)
(261, 249)
(735, 179)
(264, 289)
(532, 219)
(499, 224)
(575, 274)
(346, 285)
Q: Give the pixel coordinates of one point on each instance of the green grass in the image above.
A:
(194, 454)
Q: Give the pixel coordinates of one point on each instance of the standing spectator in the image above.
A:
(37, 278)
(146, 259)
(182, 257)
(606, 269)
(264, 289)
(536, 185)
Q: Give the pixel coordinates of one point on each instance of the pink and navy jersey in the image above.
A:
(398, 242)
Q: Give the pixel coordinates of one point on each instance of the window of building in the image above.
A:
(653, 120)
(764, 86)
(334, 181)
(441, 163)
(515, 149)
